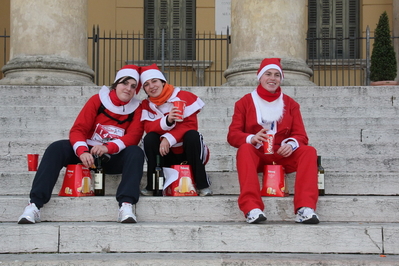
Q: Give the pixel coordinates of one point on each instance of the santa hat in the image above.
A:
(151, 72)
(270, 63)
(129, 71)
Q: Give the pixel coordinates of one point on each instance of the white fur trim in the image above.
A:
(151, 74)
(79, 144)
(294, 146)
(127, 72)
(128, 108)
(267, 112)
(172, 141)
(267, 67)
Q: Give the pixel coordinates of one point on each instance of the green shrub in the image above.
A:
(383, 58)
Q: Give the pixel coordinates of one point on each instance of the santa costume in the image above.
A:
(280, 114)
(186, 143)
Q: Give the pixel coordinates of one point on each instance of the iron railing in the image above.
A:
(110, 51)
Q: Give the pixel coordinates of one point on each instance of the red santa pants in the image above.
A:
(251, 161)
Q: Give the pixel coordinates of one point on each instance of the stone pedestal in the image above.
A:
(274, 28)
(48, 44)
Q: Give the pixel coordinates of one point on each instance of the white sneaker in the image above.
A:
(306, 215)
(125, 214)
(31, 215)
(255, 216)
(205, 192)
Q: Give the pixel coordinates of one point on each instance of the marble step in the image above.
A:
(201, 237)
(216, 208)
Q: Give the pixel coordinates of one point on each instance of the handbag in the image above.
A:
(274, 183)
(77, 182)
(179, 181)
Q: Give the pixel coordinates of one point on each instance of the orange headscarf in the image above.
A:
(164, 96)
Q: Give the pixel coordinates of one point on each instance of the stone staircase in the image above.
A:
(354, 129)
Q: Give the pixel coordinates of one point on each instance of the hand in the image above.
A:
(285, 150)
(164, 147)
(86, 159)
(260, 137)
(174, 114)
(99, 150)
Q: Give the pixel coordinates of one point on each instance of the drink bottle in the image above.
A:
(320, 176)
(159, 178)
(99, 178)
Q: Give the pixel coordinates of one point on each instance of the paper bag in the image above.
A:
(274, 184)
(179, 181)
(77, 182)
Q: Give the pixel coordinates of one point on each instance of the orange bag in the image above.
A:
(77, 182)
(184, 185)
(274, 184)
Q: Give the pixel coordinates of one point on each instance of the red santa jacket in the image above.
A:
(246, 121)
(154, 117)
(94, 128)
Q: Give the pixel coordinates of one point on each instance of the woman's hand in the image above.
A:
(260, 137)
(164, 147)
(285, 150)
(86, 159)
(173, 115)
(99, 150)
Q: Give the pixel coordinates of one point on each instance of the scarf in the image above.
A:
(266, 95)
(164, 96)
(115, 100)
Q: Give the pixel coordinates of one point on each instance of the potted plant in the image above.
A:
(383, 59)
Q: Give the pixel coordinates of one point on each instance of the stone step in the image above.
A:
(203, 209)
(201, 237)
(226, 183)
(197, 259)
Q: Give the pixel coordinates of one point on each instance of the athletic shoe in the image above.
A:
(125, 214)
(31, 215)
(146, 192)
(255, 216)
(205, 192)
(306, 215)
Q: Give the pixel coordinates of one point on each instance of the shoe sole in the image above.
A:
(260, 218)
(129, 220)
(25, 221)
(313, 220)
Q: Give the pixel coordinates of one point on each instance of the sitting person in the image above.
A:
(115, 108)
(174, 141)
(268, 110)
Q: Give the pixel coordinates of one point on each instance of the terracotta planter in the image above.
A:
(384, 83)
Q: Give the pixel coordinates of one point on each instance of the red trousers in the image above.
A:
(251, 161)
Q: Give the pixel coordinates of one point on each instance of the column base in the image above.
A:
(46, 70)
(243, 73)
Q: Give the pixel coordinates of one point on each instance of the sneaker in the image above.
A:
(31, 215)
(125, 214)
(255, 216)
(205, 192)
(306, 215)
(146, 192)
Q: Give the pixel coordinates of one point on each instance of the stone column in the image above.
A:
(273, 28)
(395, 30)
(48, 43)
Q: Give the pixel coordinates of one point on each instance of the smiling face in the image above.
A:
(126, 89)
(153, 87)
(271, 80)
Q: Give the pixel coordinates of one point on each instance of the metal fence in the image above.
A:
(205, 65)
(108, 52)
(332, 65)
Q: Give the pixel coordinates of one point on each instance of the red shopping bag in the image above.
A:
(184, 185)
(77, 182)
(274, 184)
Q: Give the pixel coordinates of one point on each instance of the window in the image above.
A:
(176, 18)
(333, 29)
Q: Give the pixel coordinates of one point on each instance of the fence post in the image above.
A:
(367, 56)
(163, 51)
